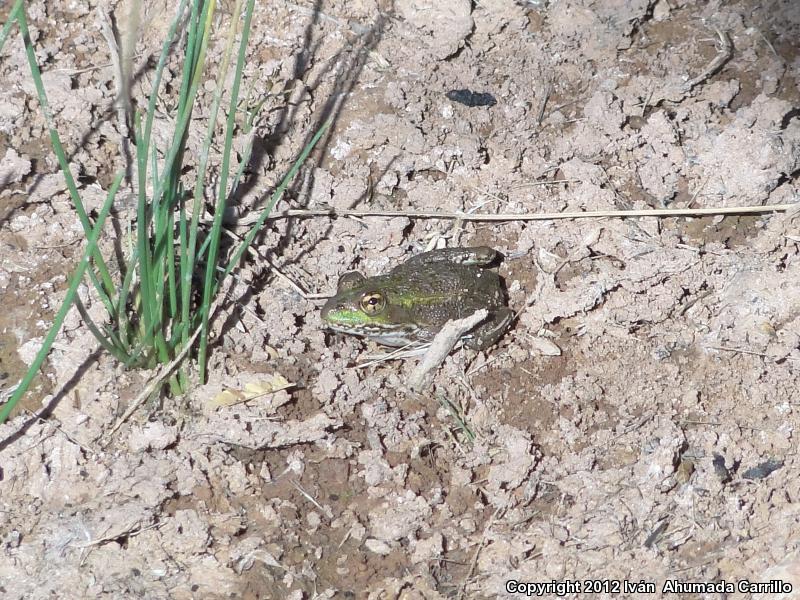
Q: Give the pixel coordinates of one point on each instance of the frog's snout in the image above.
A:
(330, 305)
(325, 311)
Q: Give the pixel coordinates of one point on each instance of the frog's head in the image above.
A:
(362, 308)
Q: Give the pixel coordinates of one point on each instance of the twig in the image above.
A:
(766, 41)
(751, 352)
(121, 85)
(134, 530)
(699, 189)
(58, 427)
(128, 50)
(597, 214)
(156, 381)
(259, 256)
(73, 72)
(546, 182)
(723, 55)
(548, 89)
(326, 511)
(495, 357)
(410, 350)
(441, 346)
(646, 102)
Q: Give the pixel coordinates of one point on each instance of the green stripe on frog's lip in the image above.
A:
(356, 320)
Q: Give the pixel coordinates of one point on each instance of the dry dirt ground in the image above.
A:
(638, 422)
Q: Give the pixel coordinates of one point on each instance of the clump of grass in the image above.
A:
(164, 290)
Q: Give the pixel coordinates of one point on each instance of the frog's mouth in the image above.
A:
(374, 329)
(387, 334)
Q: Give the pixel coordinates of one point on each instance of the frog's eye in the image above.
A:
(372, 303)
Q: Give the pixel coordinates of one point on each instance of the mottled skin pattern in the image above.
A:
(415, 299)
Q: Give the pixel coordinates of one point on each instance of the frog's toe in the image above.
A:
(490, 331)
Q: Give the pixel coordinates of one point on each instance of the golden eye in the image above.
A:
(372, 303)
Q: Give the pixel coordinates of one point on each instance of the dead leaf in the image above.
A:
(252, 390)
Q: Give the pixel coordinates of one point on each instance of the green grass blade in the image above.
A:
(105, 289)
(210, 281)
(148, 270)
(12, 16)
(168, 187)
(77, 277)
(188, 261)
(171, 159)
(109, 342)
(143, 240)
(172, 288)
(248, 239)
(159, 72)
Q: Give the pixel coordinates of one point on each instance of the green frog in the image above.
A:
(415, 299)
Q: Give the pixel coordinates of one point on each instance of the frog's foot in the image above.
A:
(479, 256)
(491, 330)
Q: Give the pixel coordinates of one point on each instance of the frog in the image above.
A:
(413, 301)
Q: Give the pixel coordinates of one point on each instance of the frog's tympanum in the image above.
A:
(415, 299)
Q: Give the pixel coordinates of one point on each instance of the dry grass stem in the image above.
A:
(162, 374)
(597, 214)
(411, 350)
(723, 55)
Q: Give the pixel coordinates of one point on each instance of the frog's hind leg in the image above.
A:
(491, 330)
(479, 256)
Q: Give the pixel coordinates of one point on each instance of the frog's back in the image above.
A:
(433, 294)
